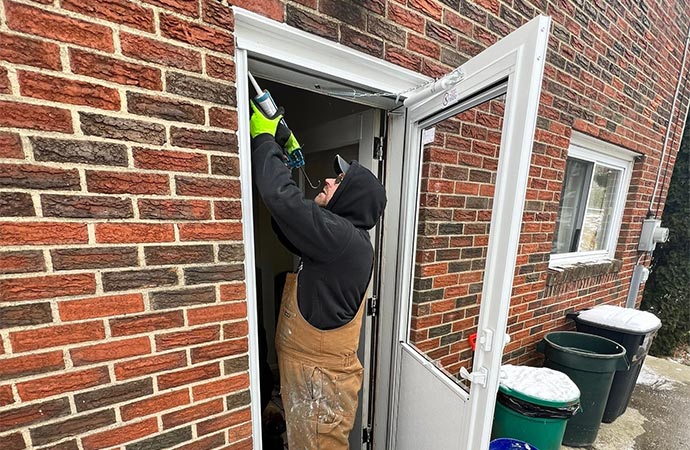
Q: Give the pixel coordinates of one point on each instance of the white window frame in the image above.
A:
(596, 151)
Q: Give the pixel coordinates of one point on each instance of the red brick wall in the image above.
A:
(122, 297)
(122, 313)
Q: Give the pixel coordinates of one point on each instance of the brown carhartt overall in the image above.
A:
(320, 376)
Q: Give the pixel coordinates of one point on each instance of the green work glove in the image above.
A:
(260, 124)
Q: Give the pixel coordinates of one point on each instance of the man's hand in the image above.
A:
(275, 126)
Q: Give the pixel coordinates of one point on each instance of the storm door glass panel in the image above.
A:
(460, 160)
(600, 207)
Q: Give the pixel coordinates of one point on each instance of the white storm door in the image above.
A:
(467, 156)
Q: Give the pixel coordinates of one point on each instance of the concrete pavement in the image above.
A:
(658, 417)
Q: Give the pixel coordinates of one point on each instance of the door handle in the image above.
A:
(479, 377)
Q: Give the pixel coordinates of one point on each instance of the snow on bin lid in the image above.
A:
(539, 383)
(622, 319)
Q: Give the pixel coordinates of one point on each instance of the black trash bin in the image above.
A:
(631, 328)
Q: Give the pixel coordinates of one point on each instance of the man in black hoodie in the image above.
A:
(322, 307)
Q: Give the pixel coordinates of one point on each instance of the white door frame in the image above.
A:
(279, 42)
(519, 59)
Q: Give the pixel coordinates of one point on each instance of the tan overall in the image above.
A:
(320, 376)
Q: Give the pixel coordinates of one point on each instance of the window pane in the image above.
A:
(602, 197)
(573, 196)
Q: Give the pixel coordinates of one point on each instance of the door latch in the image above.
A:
(479, 377)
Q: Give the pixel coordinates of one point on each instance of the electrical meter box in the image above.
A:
(652, 232)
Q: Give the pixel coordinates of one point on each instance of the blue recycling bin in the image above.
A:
(510, 444)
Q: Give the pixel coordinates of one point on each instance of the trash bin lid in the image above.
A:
(617, 318)
(538, 385)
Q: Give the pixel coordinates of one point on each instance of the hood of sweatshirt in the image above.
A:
(360, 197)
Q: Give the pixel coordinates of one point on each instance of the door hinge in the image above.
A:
(379, 143)
(366, 435)
(372, 306)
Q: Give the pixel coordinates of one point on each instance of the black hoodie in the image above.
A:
(333, 242)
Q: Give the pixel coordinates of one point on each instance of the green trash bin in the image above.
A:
(591, 362)
(533, 405)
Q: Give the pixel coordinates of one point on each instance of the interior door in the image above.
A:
(467, 157)
(352, 137)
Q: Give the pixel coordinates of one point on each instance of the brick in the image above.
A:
(232, 292)
(386, 30)
(62, 383)
(206, 187)
(349, 13)
(21, 261)
(195, 34)
(235, 365)
(223, 118)
(171, 161)
(178, 254)
(221, 68)
(35, 117)
(218, 14)
(27, 176)
(25, 365)
(220, 387)
(407, 18)
(97, 307)
(118, 11)
(213, 274)
(139, 279)
(202, 139)
(134, 233)
(174, 209)
(24, 315)
(28, 415)
(66, 445)
(269, 8)
(56, 336)
(30, 52)
(6, 395)
(63, 90)
(16, 442)
(240, 432)
(127, 183)
(362, 42)
(424, 46)
(110, 351)
(188, 376)
(224, 421)
(82, 206)
(72, 427)
(311, 23)
(120, 435)
(165, 108)
(11, 145)
(162, 53)
(122, 129)
(146, 323)
(207, 443)
(228, 210)
(149, 365)
(19, 289)
(113, 394)
(155, 404)
(211, 232)
(162, 441)
(182, 297)
(93, 258)
(192, 413)
(37, 233)
(82, 152)
(16, 204)
(219, 313)
(115, 70)
(186, 7)
(5, 86)
(229, 253)
(200, 89)
(186, 338)
(235, 330)
(39, 22)
(219, 350)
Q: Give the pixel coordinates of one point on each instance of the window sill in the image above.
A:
(567, 273)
